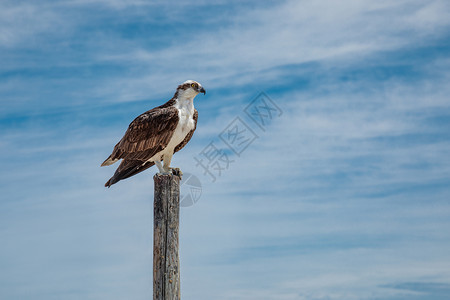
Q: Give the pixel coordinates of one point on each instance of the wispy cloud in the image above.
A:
(343, 197)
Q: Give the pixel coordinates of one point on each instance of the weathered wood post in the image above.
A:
(166, 261)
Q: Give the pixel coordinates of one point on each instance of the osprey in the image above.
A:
(157, 134)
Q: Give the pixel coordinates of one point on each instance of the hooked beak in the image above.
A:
(202, 90)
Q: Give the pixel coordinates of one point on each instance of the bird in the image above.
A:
(155, 135)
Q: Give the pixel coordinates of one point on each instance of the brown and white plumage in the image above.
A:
(156, 135)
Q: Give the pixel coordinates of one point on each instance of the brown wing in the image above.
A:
(128, 168)
(131, 166)
(189, 135)
(147, 135)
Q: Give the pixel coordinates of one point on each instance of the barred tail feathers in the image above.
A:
(128, 168)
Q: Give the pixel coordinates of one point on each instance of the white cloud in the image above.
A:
(22, 23)
(320, 207)
(292, 33)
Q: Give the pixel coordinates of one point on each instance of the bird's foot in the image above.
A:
(176, 172)
(173, 171)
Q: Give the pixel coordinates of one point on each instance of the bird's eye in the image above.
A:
(193, 85)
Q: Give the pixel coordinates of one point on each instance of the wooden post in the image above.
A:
(166, 261)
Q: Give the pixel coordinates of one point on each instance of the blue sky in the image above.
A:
(344, 196)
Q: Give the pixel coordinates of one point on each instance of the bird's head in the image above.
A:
(190, 89)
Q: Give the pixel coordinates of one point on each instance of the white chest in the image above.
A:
(185, 121)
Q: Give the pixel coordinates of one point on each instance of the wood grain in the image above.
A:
(166, 261)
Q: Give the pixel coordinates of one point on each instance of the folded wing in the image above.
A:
(147, 135)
